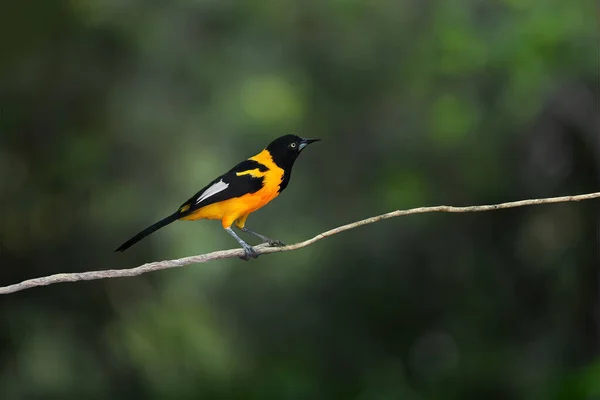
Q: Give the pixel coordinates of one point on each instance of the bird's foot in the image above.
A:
(250, 253)
(274, 243)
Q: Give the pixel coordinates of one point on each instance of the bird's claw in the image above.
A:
(249, 253)
(275, 243)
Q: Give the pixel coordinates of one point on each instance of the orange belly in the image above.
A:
(229, 210)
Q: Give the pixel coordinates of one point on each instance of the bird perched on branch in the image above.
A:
(245, 188)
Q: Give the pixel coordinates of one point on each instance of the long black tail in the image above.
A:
(148, 231)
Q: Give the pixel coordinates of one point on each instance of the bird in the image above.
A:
(233, 196)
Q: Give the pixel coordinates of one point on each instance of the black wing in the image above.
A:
(226, 186)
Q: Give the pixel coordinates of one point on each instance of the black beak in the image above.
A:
(306, 141)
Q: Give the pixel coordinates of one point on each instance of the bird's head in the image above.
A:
(285, 149)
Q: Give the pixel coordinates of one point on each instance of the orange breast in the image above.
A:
(229, 210)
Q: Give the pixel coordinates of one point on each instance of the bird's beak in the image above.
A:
(306, 141)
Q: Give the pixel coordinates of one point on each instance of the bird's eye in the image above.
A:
(293, 145)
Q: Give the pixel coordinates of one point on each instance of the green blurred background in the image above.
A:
(113, 112)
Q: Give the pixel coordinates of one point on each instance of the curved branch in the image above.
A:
(264, 249)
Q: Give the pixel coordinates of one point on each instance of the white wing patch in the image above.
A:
(212, 190)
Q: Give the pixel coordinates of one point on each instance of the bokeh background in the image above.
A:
(114, 112)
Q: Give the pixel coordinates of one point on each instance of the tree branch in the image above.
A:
(265, 249)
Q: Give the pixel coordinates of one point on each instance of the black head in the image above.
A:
(286, 149)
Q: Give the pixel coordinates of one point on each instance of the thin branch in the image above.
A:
(265, 249)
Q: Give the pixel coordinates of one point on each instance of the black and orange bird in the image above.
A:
(245, 188)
